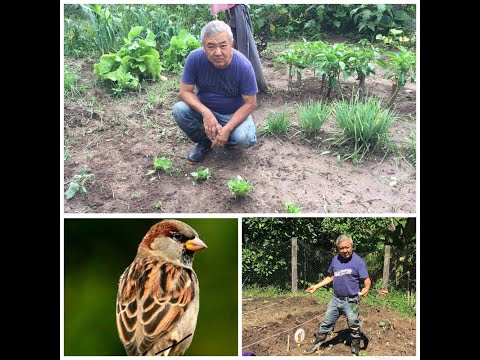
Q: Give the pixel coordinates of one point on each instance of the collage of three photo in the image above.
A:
(239, 179)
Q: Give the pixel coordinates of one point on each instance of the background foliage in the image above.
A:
(90, 29)
(97, 251)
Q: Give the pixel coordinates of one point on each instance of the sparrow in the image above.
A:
(158, 294)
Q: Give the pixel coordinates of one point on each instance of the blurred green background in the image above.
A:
(97, 251)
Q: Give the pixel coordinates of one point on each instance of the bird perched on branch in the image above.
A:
(158, 294)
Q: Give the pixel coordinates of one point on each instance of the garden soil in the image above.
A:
(117, 138)
(269, 326)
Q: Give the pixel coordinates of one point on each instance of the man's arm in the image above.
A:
(325, 281)
(238, 117)
(366, 286)
(209, 120)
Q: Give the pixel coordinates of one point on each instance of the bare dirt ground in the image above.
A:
(269, 325)
(116, 140)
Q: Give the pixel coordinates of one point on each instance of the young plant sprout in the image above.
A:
(291, 208)
(239, 186)
(201, 174)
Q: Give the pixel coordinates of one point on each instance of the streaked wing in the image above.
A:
(152, 296)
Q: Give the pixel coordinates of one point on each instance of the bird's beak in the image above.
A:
(195, 245)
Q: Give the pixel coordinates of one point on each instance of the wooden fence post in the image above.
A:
(294, 264)
(386, 266)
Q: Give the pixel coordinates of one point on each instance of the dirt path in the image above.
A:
(267, 323)
(117, 139)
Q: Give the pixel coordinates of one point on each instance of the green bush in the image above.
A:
(180, 46)
(135, 61)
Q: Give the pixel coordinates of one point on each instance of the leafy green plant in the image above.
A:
(297, 57)
(276, 123)
(162, 164)
(201, 174)
(373, 17)
(400, 66)
(313, 115)
(291, 208)
(78, 184)
(365, 124)
(239, 186)
(180, 46)
(135, 61)
(360, 61)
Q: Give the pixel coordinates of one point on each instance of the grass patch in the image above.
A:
(70, 80)
(411, 144)
(312, 116)
(322, 294)
(395, 300)
(276, 124)
(364, 125)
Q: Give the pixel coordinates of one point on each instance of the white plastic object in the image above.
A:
(299, 335)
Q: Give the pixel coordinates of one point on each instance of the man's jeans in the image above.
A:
(338, 306)
(191, 122)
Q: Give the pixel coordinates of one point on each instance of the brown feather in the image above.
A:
(169, 289)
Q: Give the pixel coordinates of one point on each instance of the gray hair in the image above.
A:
(343, 238)
(215, 27)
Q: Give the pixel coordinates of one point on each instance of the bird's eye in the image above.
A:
(177, 236)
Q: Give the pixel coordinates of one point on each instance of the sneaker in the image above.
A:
(316, 344)
(199, 152)
(355, 346)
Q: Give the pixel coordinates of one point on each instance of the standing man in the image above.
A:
(346, 271)
(220, 112)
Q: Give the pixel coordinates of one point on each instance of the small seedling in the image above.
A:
(78, 184)
(239, 186)
(201, 174)
(159, 205)
(160, 164)
(291, 208)
(135, 196)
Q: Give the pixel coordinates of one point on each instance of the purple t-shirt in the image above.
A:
(220, 90)
(347, 274)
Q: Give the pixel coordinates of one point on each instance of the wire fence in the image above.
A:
(313, 263)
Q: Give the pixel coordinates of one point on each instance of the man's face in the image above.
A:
(345, 249)
(218, 49)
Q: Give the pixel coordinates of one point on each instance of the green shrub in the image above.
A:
(135, 61)
(180, 46)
